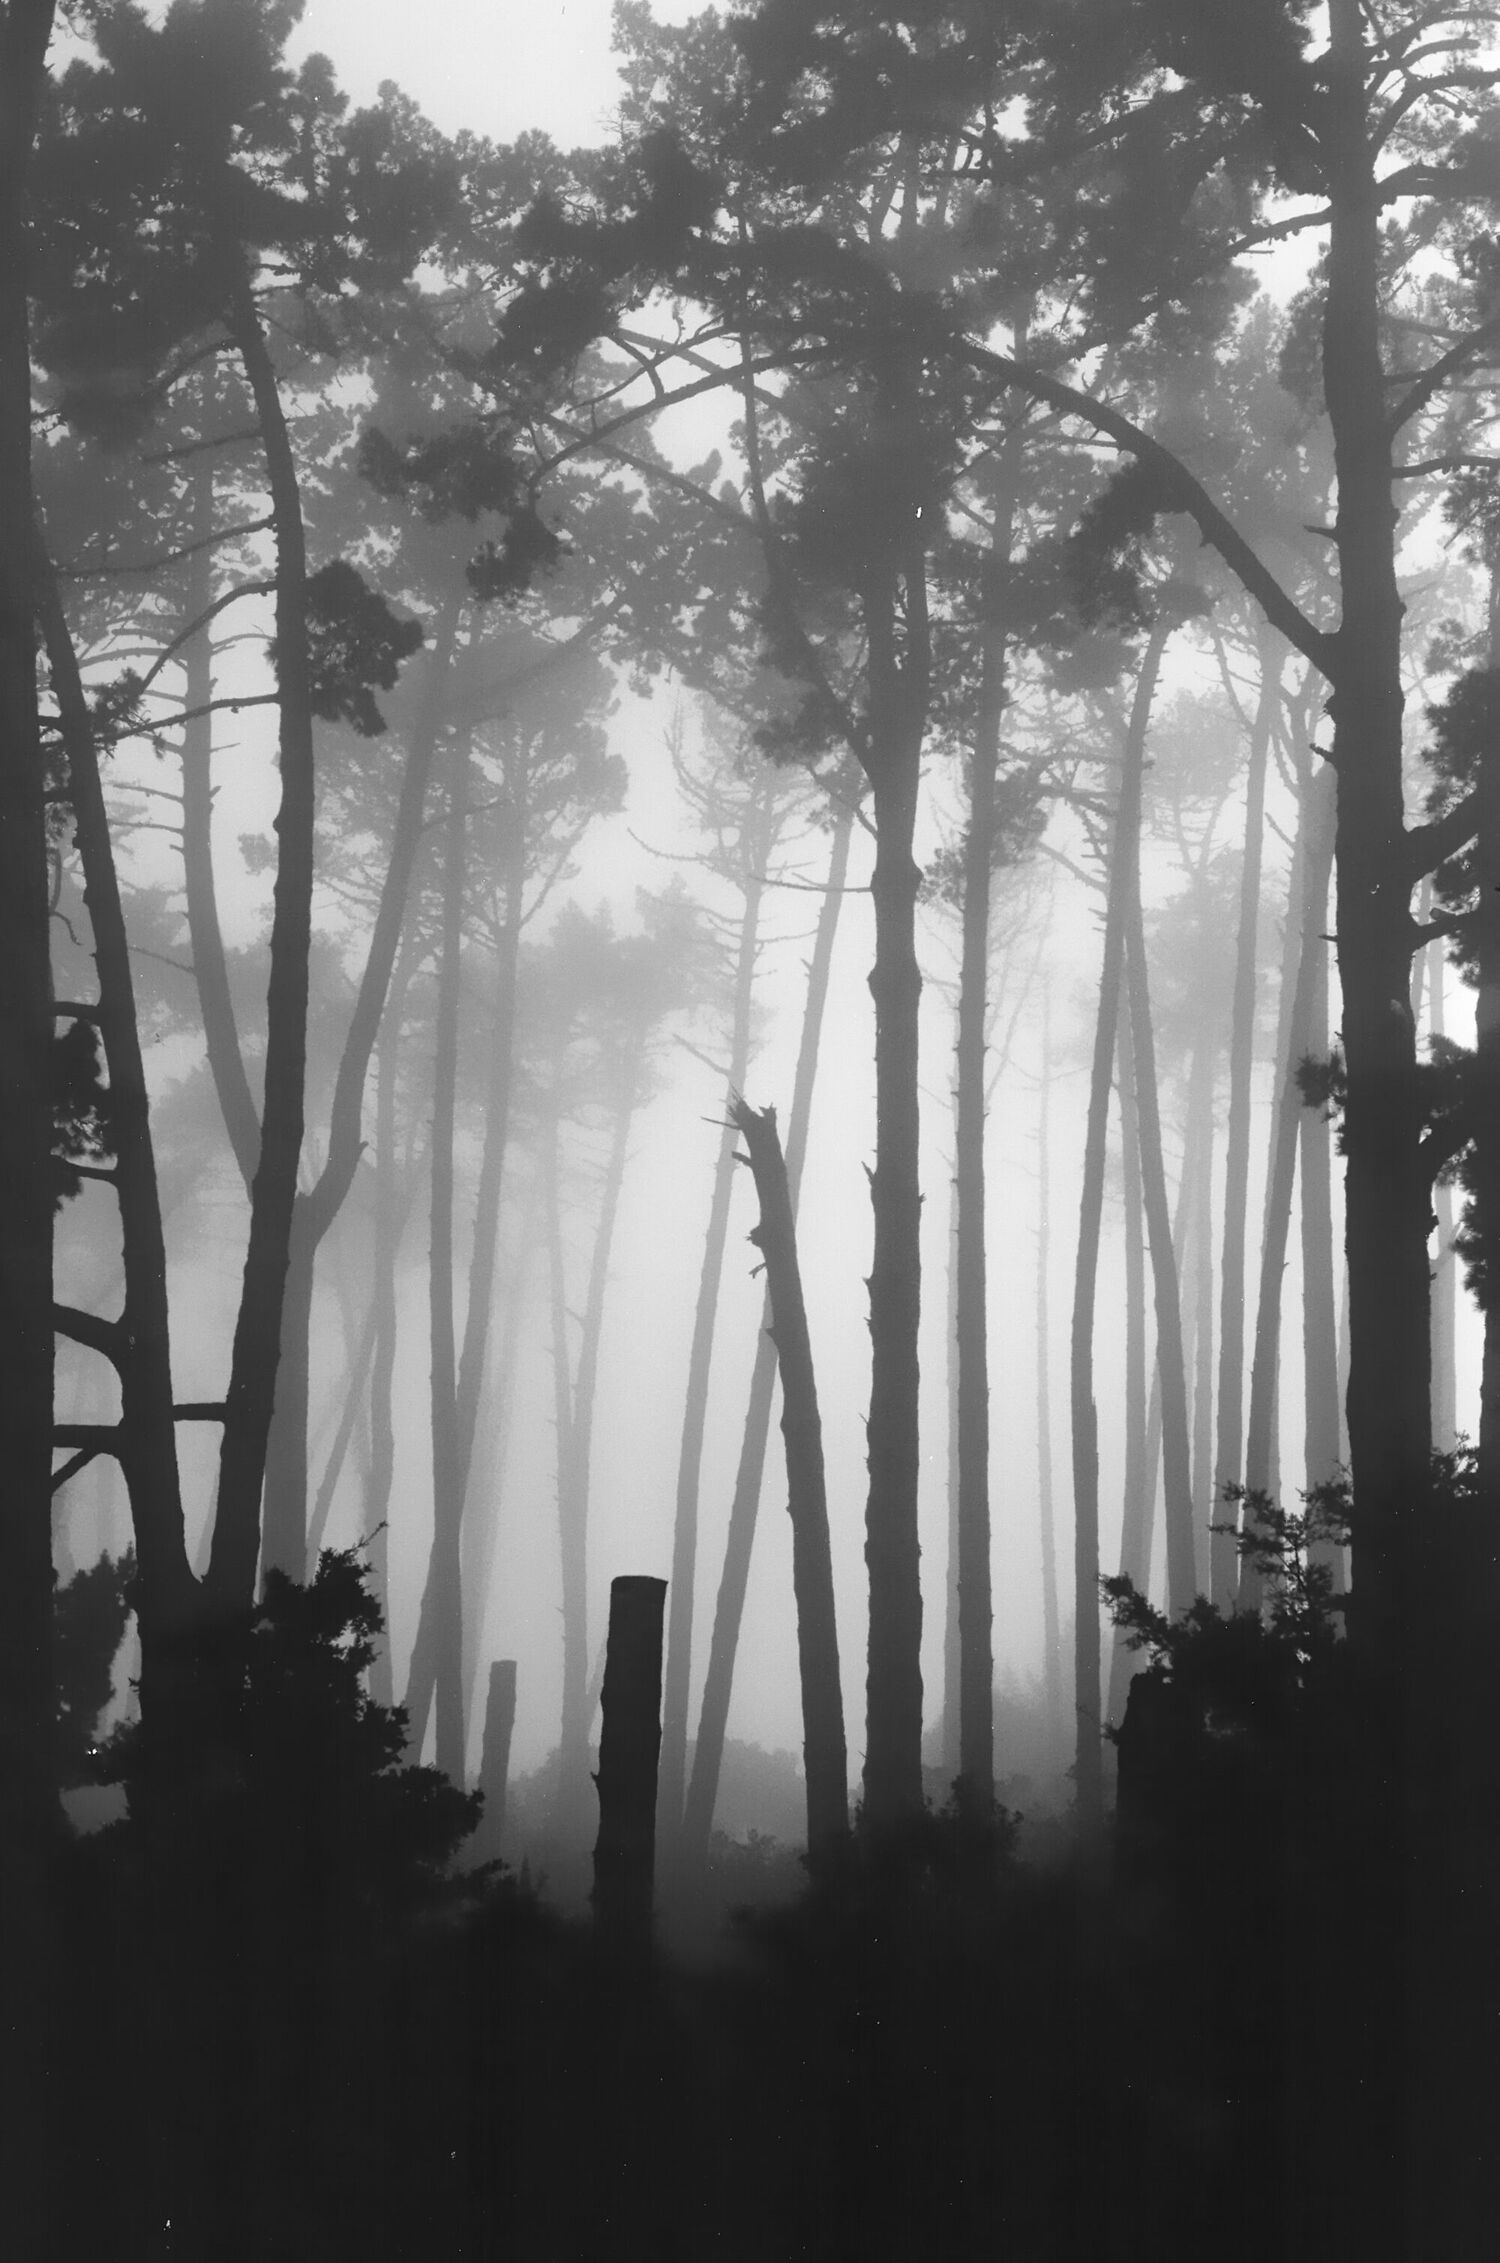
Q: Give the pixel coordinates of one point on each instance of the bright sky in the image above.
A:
(492, 65)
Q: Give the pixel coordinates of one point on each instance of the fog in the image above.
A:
(749, 1063)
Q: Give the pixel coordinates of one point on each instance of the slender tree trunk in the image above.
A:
(1089, 1772)
(1134, 1510)
(435, 1662)
(285, 1547)
(1300, 972)
(1484, 1174)
(443, 1579)
(257, 1336)
(1321, 1383)
(893, 1740)
(221, 1035)
(1229, 1466)
(1444, 1267)
(575, 1453)
(976, 1779)
(1177, 1480)
(708, 1750)
(1051, 1624)
(138, 1344)
(390, 1223)
(951, 1653)
(675, 1693)
(1201, 1150)
(27, 1795)
(481, 1533)
(825, 1760)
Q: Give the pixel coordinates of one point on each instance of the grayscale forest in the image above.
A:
(750, 1140)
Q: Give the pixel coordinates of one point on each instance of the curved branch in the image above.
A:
(1181, 491)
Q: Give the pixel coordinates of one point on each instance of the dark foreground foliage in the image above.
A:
(289, 2028)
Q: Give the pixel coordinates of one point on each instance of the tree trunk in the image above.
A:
(1300, 972)
(825, 1760)
(257, 1336)
(1229, 1465)
(390, 1223)
(1444, 1264)
(434, 1661)
(1320, 1324)
(575, 1451)
(1089, 1771)
(444, 1575)
(976, 1777)
(700, 1356)
(1051, 1626)
(139, 1343)
(226, 1063)
(285, 1546)
(1177, 1476)
(1200, 1171)
(481, 1533)
(629, 1745)
(893, 1739)
(494, 1765)
(951, 1653)
(27, 1796)
(1135, 1507)
(708, 1751)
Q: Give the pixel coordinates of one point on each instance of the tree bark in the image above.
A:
(27, 1797)
(893, 1739)
(1444, 1264)
(444, 1576)
(138, 1344)
(494, 1765)
(629, 1745)
(713, 1718)
(976, 1773)
(1177, 1476)
(435, 1661)
(575, 1410)
(1089, 1771)
(257, 1336)
(1229, 1465)
(1301, 971)
(673, 1773)
(1051, 1626)
(316, 1208)
(825, 1759)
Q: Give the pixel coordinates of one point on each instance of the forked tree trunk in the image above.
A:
(257, 1336)
(673, 1772)
(437, 1658)
(1087, 1695)
(713, 1718)
(825, 1759)
(316, 1208)
(1229, 1465)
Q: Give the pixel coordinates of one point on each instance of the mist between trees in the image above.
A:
(797, 814)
